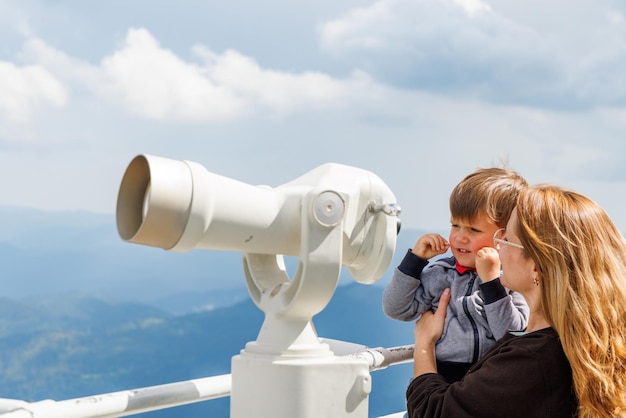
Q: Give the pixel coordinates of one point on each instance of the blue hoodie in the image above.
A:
(478, 313)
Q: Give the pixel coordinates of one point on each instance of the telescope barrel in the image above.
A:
(180, 206)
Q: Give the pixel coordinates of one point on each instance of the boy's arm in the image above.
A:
(505, 310)
(400, 297)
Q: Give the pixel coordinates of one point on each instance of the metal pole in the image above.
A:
(130, 402)
(380, 358)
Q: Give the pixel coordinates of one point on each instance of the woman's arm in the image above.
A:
(428, 329)
(520, 377)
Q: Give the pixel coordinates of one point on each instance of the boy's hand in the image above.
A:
(488, 264)
(430, 245)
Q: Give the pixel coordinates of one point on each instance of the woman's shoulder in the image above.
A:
(540, 351)
(535, 341)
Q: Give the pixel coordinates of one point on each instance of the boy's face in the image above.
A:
(467, 237)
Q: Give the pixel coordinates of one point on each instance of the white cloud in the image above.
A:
(468, 47)
(75, 73)
(473, 7)
(435, 44)
(402, 25)
(24, 89)
(361, 28)
(278, 90)
(152, 82)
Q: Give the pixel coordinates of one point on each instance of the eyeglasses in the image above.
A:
(498, 238)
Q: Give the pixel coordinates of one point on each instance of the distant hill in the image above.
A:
(81, 253)
(55, 253)
(83, 346)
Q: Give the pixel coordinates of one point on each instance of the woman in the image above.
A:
(563, 253)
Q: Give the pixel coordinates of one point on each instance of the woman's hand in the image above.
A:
(428, 329)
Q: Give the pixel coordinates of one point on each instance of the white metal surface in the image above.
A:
(129, 402)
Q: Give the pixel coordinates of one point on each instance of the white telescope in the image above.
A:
(180, 206)
(330, 217)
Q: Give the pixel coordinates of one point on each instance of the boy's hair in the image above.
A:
(489, 191)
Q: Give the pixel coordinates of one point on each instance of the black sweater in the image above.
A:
(521, 376)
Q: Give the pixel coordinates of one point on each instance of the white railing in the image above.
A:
(136, 401)
(124, 403)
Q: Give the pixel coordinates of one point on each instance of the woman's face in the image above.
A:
(518, 270)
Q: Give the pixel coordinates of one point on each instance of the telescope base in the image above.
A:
(274, 386)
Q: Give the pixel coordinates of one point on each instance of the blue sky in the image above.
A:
(419, 92)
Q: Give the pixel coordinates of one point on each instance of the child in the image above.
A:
(481, 310)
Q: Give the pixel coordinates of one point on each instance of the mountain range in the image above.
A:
(82, 313)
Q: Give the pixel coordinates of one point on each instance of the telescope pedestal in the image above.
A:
(310, 387)
(287, 372)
